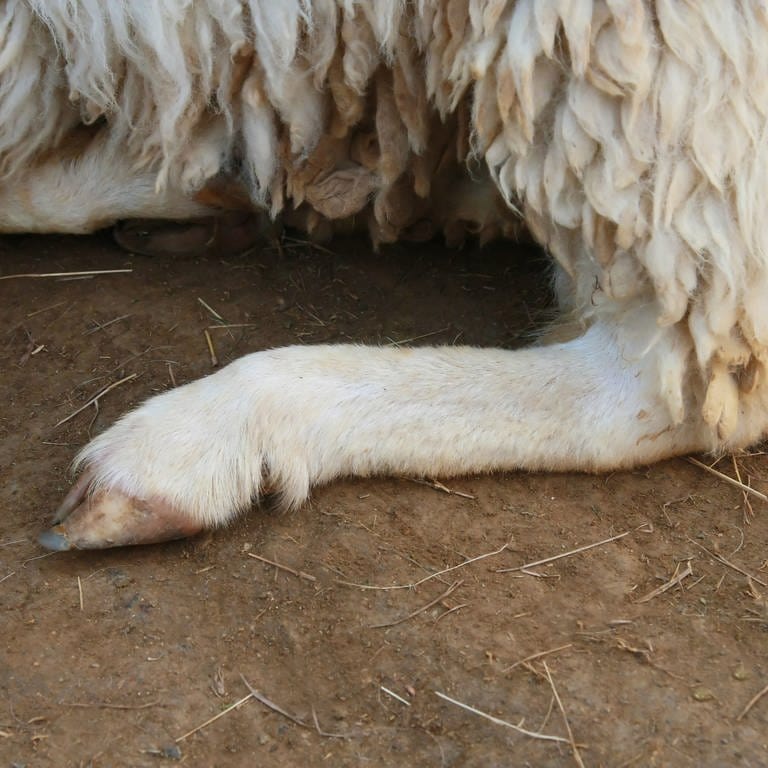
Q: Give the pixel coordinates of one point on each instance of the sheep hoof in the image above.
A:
(232, 232)
(113, 519)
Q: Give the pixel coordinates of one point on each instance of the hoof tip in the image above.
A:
(54, 540)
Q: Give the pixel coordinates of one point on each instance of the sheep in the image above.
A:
(627, 136)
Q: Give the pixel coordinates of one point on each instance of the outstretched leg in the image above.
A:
(283, 420)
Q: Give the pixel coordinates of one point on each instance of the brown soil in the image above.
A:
(108, 658)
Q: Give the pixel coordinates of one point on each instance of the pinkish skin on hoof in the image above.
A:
(112, 519)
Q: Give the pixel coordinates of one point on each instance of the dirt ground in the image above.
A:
(110, 658)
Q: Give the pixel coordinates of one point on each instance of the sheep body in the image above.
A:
(628, 135)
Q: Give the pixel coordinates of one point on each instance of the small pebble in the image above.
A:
(740, 673)
(702, 694)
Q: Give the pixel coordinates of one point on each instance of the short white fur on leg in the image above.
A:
(89, 190)
(285, 419)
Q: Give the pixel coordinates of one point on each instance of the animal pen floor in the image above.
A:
(655, 642)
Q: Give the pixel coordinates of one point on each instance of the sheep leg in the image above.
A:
(92, 188)
(286, 419)
(97, 186)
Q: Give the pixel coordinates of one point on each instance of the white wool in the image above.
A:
(259, 126)
(411, 96)
(323, 39)
(384, 19)
(576, 16)
(630, 133)
(30, 86)
(361, 54)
